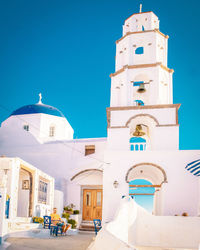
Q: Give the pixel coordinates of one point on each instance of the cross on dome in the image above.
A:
(140, 8)
(40, 98)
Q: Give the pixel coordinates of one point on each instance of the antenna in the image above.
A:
(140, 8)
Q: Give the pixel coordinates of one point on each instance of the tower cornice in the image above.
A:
(142, 66)
(138, 14)
(144, 31)
(158, 106)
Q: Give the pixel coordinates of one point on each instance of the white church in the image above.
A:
(142, 139)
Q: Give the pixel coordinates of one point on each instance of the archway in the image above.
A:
(88, 190)
(147, 179)
(25, 192)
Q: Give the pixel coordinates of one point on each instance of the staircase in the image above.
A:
(86, 226)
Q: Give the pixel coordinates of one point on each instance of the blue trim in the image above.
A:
(137, 140)
(36, 109)
(138, 83)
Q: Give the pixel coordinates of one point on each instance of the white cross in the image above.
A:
(40, 98)
(140, 8)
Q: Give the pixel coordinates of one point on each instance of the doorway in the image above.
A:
(92, 204)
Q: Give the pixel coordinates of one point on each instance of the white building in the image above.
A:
(25, 192)
(142, 141)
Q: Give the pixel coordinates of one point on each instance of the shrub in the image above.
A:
(37, 220)
(73, 223)
(66, 216)
(76, 211)
(68, 208)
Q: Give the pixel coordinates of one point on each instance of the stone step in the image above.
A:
(86, 227)
(22, 226)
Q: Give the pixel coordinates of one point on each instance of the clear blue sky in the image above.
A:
(66, 50)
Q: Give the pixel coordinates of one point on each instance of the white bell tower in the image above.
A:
(142, 115)
(141, 76)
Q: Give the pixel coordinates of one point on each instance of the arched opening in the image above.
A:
(145, 180)
(142, 191)
(139, 103)
(139, 51)
(88, 185)
(24, 208)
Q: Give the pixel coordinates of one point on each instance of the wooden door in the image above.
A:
(92, 204)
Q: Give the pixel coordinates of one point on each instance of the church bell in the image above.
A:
(138, 131)
(141, 88)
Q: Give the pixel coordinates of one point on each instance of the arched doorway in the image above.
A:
(25, 193)
(145, 185)
(89, 183)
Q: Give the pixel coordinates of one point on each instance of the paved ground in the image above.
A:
(69, 242)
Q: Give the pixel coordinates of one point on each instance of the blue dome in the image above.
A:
(36, 109)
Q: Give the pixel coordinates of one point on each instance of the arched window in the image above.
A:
(137, 144)
(139, 51)
(52, 131)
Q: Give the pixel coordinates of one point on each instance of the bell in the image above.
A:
(138, 131)
(141, 88)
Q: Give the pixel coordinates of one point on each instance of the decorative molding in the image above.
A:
(84, 171)
(158, 106)
(168, 125)
(141, 66)
(149, 164)
(143, 31)
(138, 14)
(138, 115)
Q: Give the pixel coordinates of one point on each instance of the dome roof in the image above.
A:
(36, 109)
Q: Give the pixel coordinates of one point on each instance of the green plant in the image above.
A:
(37, 220)
(73, 223)
(68, 208)
(76, 211)
(65, 215)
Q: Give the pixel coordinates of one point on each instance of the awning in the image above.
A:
(194, 167)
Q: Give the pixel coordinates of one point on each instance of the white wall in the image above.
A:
(180, 194)
(58, 201)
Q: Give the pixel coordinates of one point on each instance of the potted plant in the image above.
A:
(69, 209)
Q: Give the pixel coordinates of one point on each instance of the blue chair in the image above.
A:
(47, 221)
(56, 229)
(97, 225)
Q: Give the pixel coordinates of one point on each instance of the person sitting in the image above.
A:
(56, 220)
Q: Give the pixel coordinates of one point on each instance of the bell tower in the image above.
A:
(142, 115)
(141, 75)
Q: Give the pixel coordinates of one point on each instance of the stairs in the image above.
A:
(86, 226)
(21, 224)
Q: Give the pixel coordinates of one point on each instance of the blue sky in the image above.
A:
(66, 50)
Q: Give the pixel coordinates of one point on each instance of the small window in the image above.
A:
(51, 131)
(142, 28)
(42, 192)
(26, 127)
(89, 149)
(139, 51)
